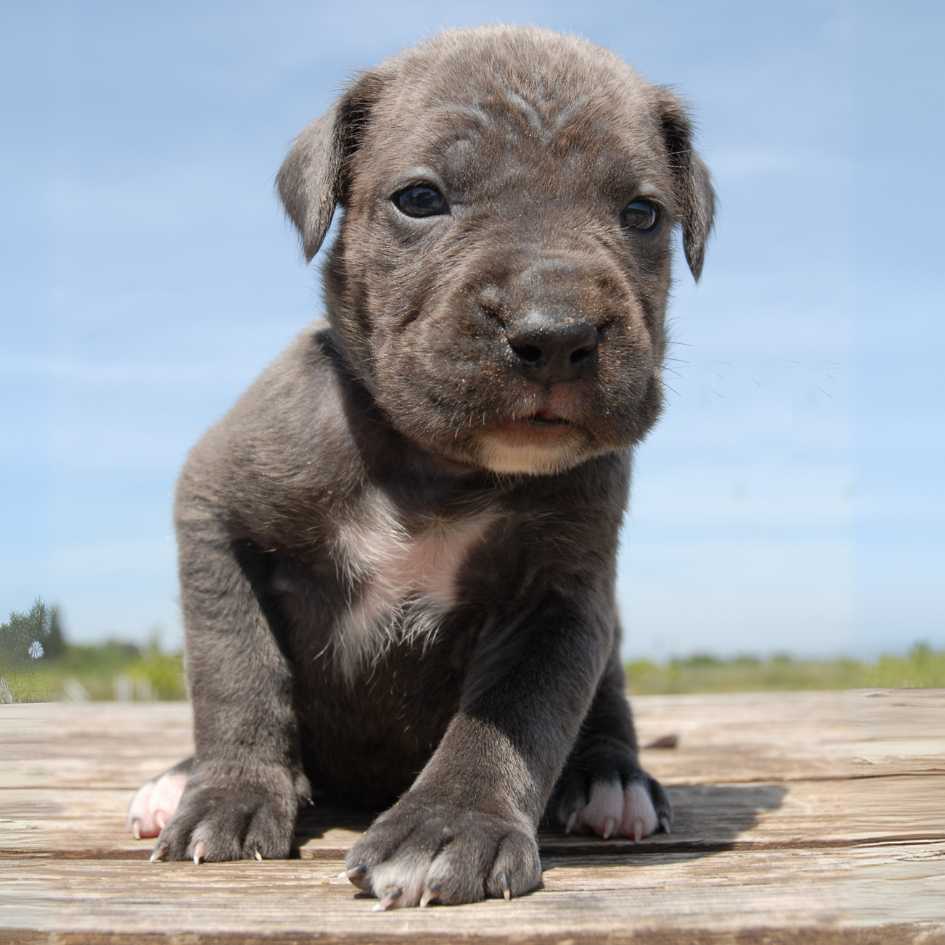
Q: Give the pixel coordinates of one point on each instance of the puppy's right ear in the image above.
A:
(314, 176)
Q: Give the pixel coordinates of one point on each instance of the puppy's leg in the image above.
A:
(155, 801)
(467, 828)
(603, 789)
(241, 798)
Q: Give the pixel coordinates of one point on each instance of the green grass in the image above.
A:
(115, 670)
(921, 668)
(107, 671)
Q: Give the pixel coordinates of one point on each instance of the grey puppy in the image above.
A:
(397, 551)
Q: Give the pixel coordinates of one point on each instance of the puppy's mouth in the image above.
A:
(546, 418)
(543, 424)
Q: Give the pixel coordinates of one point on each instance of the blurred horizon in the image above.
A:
(38, 663)
(790, 500)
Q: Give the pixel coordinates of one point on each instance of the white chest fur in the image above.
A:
(402, 584)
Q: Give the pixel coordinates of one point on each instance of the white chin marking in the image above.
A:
(499, 455)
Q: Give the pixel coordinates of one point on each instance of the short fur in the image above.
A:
(389, 590)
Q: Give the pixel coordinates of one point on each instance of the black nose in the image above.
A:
(549, 348)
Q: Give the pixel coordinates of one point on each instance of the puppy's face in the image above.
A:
(501, 275)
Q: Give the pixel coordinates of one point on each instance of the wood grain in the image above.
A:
(684, 898)
(732, 738)
(90, 823)
(801, 818)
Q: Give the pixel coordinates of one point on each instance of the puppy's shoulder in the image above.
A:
(296, 390)
(287, 433)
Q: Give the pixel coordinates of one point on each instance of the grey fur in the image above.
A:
(395, 411)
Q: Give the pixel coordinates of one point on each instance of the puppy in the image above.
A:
(397, 551)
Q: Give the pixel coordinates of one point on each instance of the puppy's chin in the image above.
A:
(524, 453)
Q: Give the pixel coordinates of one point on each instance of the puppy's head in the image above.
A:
(500, 277)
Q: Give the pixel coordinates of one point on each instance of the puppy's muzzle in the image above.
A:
(549, 349)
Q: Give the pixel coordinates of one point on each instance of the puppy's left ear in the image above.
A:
(693, 185)
(314, 176)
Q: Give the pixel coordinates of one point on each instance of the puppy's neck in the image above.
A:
(416, 479)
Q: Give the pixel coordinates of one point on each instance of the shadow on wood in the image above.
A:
(709, 818)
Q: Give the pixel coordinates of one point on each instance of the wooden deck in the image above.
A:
(802, 818)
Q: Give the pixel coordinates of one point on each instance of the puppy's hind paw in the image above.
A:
(155, 802)
(611, 808)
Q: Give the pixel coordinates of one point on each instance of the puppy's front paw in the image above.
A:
(423, 851)
(231, 815)
(609, 795)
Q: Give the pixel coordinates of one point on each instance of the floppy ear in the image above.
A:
(693, 185)
(314, 176)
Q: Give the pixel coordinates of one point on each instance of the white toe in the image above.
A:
(639, 816)
(167, 793)
(605, 809)
(154, 804)
(140, 820)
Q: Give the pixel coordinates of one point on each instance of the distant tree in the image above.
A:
(55, 642)
(921, 652)
(16, 635)
(35, 634)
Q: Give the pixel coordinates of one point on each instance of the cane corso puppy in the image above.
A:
(397, 551)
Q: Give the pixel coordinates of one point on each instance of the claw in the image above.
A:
(136, 829)
(389, 900)
(158, 854)
(507, 893)
(664, 824)
(609, 825)
(569, 826)
(428, 896)
(637, 830)
(200, 852)
(258, 856)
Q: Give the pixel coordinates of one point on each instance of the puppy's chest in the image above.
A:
(401, 582)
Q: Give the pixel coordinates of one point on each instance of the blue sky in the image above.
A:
(792, 497)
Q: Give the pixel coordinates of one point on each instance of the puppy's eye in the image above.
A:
(420, 200)
(641, 215)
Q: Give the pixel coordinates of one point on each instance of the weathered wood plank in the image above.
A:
(886, 893)
(708, 817)
(94, 745)
(730, 738)
(803, 818)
